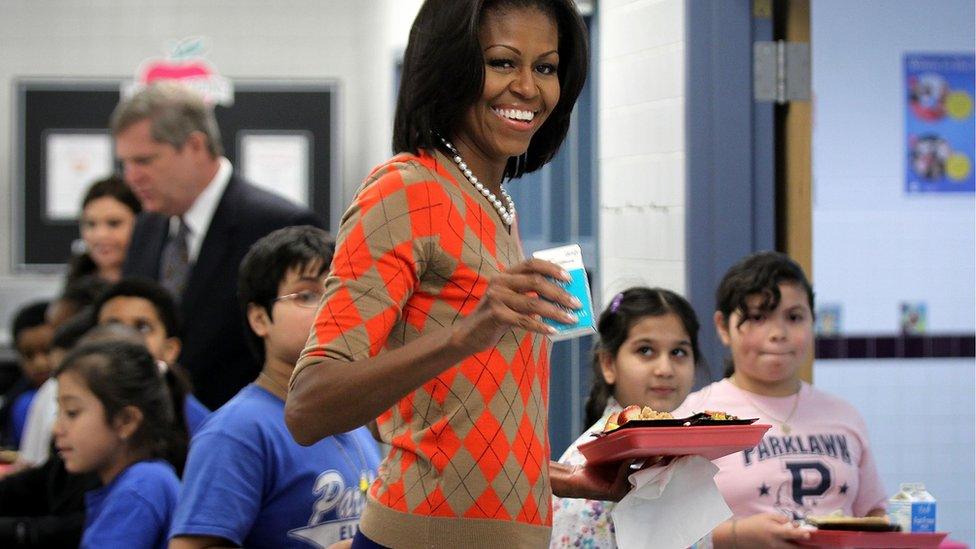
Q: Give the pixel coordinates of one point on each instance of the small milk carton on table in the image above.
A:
(913, 508)
(570, 258)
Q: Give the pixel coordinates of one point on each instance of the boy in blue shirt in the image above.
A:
(32, 339)
(147, 307)
(247, 482)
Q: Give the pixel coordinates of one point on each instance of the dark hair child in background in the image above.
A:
(145, 306)
(35, 443)
(31, 335)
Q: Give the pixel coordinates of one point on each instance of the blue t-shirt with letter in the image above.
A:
(247, 481)
(134, 510)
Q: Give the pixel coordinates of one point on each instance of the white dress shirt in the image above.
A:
(200, 214)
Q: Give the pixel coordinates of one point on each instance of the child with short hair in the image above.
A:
(274, 492)
(31, 335)
(119, 416)
(36, 441)
(816, 458)
(149, 308)
(646, 355)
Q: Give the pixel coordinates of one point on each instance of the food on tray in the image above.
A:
(719, 416)
(631, 413)
(646, 413)
(842, 522)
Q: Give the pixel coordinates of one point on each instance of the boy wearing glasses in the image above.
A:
(247, 483)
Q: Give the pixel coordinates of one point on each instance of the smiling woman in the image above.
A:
(431, 321)
(108, 214)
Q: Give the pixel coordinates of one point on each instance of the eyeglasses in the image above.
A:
(306, 298)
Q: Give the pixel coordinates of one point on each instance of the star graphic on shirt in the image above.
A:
(764, 490)
(843, 488)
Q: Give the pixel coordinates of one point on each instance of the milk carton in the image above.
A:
(570, 258)
(900, 507)
(923, 510)
(912, 508)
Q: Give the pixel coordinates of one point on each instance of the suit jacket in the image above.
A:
(215, 349)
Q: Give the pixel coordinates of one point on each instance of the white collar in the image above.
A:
(200, 214)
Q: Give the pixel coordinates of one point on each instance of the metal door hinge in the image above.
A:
(781, 71)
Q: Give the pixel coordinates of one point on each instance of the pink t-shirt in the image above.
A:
(824, 463)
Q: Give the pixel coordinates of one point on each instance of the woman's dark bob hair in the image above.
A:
(444, 74)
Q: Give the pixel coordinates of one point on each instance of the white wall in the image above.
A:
(642, 143)
(921, 421)
(873, 245)
(351, 42)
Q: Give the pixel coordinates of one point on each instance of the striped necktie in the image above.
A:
(175, 262)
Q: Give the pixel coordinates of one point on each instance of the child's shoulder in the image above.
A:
(148, 478)
(144, 487)
(249, 415)
(251, 408)
(827, 403)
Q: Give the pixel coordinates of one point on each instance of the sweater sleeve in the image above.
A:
(381, 254)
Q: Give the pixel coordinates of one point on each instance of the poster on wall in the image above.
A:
(939, 123)
(73, 160)
(277, 161)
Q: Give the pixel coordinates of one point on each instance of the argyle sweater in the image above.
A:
(470, 451)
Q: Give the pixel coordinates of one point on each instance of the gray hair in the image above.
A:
(175, 111)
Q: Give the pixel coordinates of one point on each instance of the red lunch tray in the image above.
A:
(844, 538)
(710, 441)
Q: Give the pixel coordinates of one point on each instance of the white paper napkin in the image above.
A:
(670, 507)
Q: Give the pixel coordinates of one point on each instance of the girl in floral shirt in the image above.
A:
(646, 356)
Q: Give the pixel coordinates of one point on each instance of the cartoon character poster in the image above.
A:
(939, 124)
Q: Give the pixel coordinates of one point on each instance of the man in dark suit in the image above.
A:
(199, 220)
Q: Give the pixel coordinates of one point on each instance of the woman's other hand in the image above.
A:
(604, 482)
(513, 299)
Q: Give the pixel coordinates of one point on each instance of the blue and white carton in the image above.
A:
(913, 508)
(570, 258)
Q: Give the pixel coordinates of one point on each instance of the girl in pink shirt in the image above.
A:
(816, 458)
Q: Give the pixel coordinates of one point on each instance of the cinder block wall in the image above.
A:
(642, 143)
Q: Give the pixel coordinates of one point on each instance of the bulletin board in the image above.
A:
(63, 138)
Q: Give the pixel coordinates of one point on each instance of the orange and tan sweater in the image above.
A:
(469, 458)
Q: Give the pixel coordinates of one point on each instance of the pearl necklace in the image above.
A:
(505, 210)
